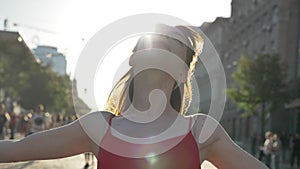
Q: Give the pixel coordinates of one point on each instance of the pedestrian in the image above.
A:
(284, 143)
(38, 120)
(253, 144)
(66, 120)
(291, 145)
(296, 150)
(28, 120)
(4, 121)
(276, 151)
(137, 134)
(267, 148)
(261, 148)
(58, 121)
(12, 124)
(48, 120)
(24, 120)
(89, 160)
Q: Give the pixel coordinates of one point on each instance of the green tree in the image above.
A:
(17, 67)
(61, 94)
(259, 83)
(25, 80)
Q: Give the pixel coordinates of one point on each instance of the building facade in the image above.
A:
(80, 106)
(49, 56)
(256, 27)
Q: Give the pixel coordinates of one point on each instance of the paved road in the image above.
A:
(76, 162)
(207, 165)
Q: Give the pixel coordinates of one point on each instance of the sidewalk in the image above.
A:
(283, 165)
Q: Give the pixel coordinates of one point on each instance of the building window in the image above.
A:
(263, 49)
(234, 63)
(233, 128)
(298, 57)
(298, 60)
(228, 66)
(240, 128)
(275, 15)
(298, 89)
(247, 127)
(272, 44)
(269, 28)
(255, 3)
(265, 14)
(245, 43)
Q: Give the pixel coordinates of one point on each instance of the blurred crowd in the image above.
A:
(277, 148)
(28, 122)
(274, 148)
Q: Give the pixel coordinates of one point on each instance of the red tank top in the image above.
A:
(185, 155)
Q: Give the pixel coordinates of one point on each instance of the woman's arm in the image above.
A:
(220, 150)
(75, 138)
(56, 143)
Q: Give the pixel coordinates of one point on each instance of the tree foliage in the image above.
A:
(25, 80)
(257, 83)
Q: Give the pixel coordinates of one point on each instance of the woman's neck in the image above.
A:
(153, 92)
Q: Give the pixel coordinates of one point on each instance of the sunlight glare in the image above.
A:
(109, 72)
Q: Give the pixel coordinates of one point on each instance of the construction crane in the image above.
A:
(34, 28)
(35, 39)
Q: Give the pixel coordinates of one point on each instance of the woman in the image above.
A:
(267, 148)
(276, 151)
(144, 125)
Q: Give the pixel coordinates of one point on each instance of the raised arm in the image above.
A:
(218, 148)
(60, 142)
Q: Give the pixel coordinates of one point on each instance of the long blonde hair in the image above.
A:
(121, 95)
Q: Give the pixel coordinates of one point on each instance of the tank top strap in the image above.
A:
(108, 132)
(110, 119)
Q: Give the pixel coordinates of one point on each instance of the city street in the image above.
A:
(75, 162)
(227, 75)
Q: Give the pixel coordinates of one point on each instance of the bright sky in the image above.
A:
(72, 23)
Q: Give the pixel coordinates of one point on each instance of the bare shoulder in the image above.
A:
(95, 124)
(206, 130)
(99, 115)
(216, 146)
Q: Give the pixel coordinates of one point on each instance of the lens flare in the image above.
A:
(151, 158)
